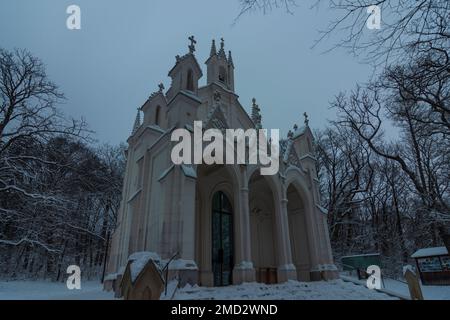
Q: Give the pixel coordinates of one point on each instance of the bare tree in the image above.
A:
(28, 117)
(346, 174)
(424, 87)
(408, 27)
(265, 6)
(420, 156)
(28, 101)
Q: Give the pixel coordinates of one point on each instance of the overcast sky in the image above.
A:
(125, 48)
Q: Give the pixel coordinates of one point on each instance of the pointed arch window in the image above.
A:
(157, 116)
(190, 81)
(310, 146)
(222, 239)
(222, 74)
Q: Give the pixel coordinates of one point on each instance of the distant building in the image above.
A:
(228, 223)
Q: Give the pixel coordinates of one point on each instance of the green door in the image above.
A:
(222, 239)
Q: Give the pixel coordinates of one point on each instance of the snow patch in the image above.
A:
(428, 252)
(181, 264)
(325, 267)
(291, 290)
(408, 267)
(139, 260)
(244, 265)
(172, 286)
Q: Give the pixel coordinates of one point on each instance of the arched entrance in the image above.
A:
(222, 239)
(262, 225)
(298, 233)
(217, 212)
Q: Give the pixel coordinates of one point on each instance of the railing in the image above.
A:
(165, 270)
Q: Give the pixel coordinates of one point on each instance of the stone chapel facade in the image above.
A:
(228, 223)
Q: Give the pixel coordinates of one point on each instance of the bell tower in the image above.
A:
(220, 67)
(186, 73)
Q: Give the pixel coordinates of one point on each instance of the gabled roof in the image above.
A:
(155, 96)
(185, 59)
(216, 119)
(187, 94)
(188, 171)
(301, 131)
(288, 154)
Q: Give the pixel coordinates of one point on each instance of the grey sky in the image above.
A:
(125, 48)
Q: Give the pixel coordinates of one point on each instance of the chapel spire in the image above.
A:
(213, 49)
(230, 59)
(220, 67)
(185, 73)
(256, 114)
(137, 122)
(222, 49)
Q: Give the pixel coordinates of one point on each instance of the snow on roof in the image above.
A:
(188, 171)
(139, 260)
(300, 131)
(156, 128)
(143, 255)
(428, 252)
(189, 95)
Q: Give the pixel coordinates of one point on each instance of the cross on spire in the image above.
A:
(222, 53)
(306, 119)
(192, 45)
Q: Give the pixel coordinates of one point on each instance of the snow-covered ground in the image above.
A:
(42, 290)
(292, 290)
(401, 288)
(429, 292)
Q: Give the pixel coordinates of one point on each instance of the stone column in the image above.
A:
(286, 269)
(322, 266)
(182, 230)
(243, 270)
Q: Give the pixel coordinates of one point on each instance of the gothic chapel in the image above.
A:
(228, 223)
